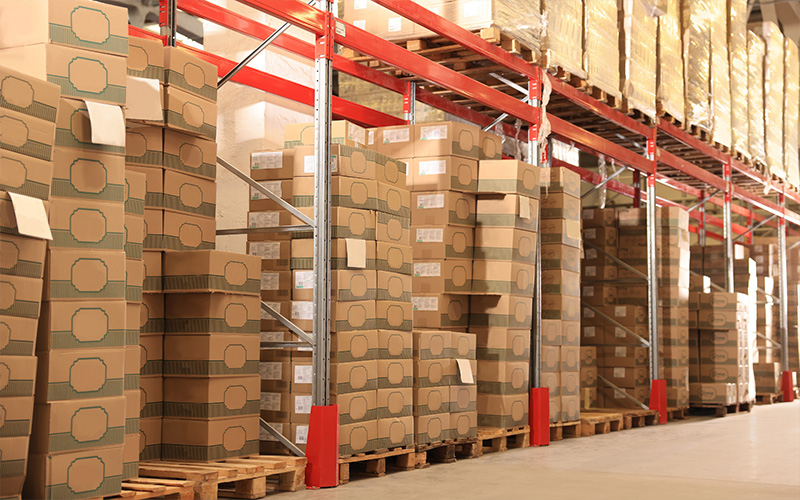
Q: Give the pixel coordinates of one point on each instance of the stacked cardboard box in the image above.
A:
(773, 94)
(211, 350)
(766, 365)
(562, 45)
(588, 381)
(756, 142)
(561, 290)
(720, 74)
(637, 56)
(28, 114)
(669, 47)
(696, 21)
(601, 44)
(791, 105)
(737, 54)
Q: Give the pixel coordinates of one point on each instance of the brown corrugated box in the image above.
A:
(394, 199)
(395, 402)
(442, 242)
(21, 296)
(563, 231)
(432, 428)
(393, 315)
(30, 96)
(450, 275)
(431, 400)
(82, 324)
(560, 307)
(356, 376)
(446, 138)
(282, 188)
(501, 344)
(463, 398)
(74, 130)
(502, 377)
(346, 285)
(17, 415)
(211, 270)
(133, 362)
(393, 287)
(392, 257)
(443, 173)
(211, 355)
(507, 210)
(22, 256)
(442, 207)
(276, 376)
(211, 397)
(80, 373)
(275, 255)
(302, 252)
(561, 206)
(395, 373)
(150, 438)
(493, 243)
(508, 176)
(188, 113)
(557, 256)
(502, 411)
(570, 408)
(353, 407)
(189, 154)
(552, 381)
(395, 141)
(464, 425)
(204, 313)
(189, 194)
(71, 425)
(145, 58)
(345, 222)
(359, 437)
(87, 224)
(187, 439)
(24, 174)
(151, 318)
(347, 192)
(441, 311)
(395, 432)
(272, 164)
(144, 146)
(134, 237)
(502, 277)
(276, 285)
(276, 406)
(14, 459)
(97, 471)
(561, 180)
(342, 132)
(73, 274)
(392, 228)
(431, 344)
(349, 347)
(394, 344)
(154, 184)
(185, 71)
(26, 135)
(434, 372)
(152, 355)
(507, 311)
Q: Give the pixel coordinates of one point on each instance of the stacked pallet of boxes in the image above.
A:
(669, 80)
(561, 291)
(737, 55)
(503, 285)
(637, 57)
(211, 349)
(791, 112)
(756, 142)
(80, 414)
(601, 44)
(562, 44)
(773, 95)
(28, 113)
(767, 367)
(720, 75)
(696, 21)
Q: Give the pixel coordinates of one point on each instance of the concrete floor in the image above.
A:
(745, 456)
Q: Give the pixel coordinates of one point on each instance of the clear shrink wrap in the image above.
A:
(756, 50)
(791, 110)
(737, 48)
(720, 75)
(669, 90)
(563, 35)
(773, 96)
(601, 45)
(696, 18)
(638, 56)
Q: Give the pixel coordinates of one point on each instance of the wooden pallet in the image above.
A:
(635, 113)
(600, 422)
(721, 147)
(247, 477)
(662, 113)
(492, 439)
(635, 417)
(769, 398)
(677, 413)
(145, 488)
(375, 464)
(446, 452)
(700, 133)
(720, 410)
(561, 430)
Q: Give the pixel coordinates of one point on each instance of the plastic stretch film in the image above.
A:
(669, 92)
(791, 110)
(756, 50)
(720, 74)
(737, 47)
(638, 56)
(696, 17)
(601, 45)
(773, 96)
(563, 35)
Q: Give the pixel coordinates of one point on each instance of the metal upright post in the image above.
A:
(637, 189)
(701, 226)
(658, 386)
(168, 20)
(787, 385)
(727, 230)
(410, 103)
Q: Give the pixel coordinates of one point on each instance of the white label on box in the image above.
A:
(370, 137)
(265, 219)
(619, 333)
(301, 436)
(266, 160)
(303, 310)
(270, 370)
(304, 280)
(588, 313)
(302, 374)
(334, 164)
(425, 303)
(590, 271)
(427, 269)
(308, 164)
(588, 291)
(360, 24)
(356, 134)
(266, 249)
(31, 216)
(359, 4)
(302, 404)
(340, 29)
(274, 305)
(271, 401)
(620, 311)
(590, 233)
(619, 372)
(465, 371)
(588, 331)
(272, 336)
(265, 435)
(591, 253)
(430, 235)
(432, 167)
(620, 352)
(524, 208)
(394, 135)
(107, 122)
(275, 186)
(394, 24)
(425, 201)
(433, 133)
(269, 281)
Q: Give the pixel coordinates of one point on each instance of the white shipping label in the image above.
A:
(465, 374)
(588, 313)
(272, 336)
(590, 271)
(591, 253)
(265, 219)
(308, 164)
(274, 305)
(432, 167)
(269, 281)
(360, 24)
(302, 374)
(619, 372)
(271, 401)
(301, 436)
(620, 311)
(334, 164)
(524, 208)
(588, 331)
(590, 233)
(359, 4)
(425, 303)
(588, 291)
(302, 404)
(303, 310)
(370, 137)
(425, 201)
(356, 133)
(31, 216)
(394, 24)
(620, 352)
(433, 133)
(304, 280)
(427, 269)
(267, 159)
(619, 333)
(394, 135)
(270, 370)
(265, 435)
(275, 186)
(430, 235)
(266, 249)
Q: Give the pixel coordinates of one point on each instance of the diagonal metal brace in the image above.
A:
(701, 202)
(618, 390)
(288, 324)
(618, 261)
(605, 181)
(616, 323)
(754, 227)
(280, 437)
(777, 344)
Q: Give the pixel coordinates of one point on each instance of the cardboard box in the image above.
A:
(348, 161)
(189, 154)
(205, 313)
(551, 358)
(276, 376)
(431, 344)
(443, 207)
(599, 217)
(509, 176)
(26, 135)
(73, 425)
(151, 320)
(359, 437)
(152, 355)
(211, 355)
(188, 194)
(346, 285)
(353, 407)
(347, 192)
(347, 347)
(396, 402)
(393, 315)
(713, 393)
(21, 296)
(391, 171)
(625, 377)
(302, 252)
(434, 372)
(588, 376)
(395, 373)
(561, 206)
(24, 174)
(491, 146)
(394, 344)
(133, 360)
(87, 225)
(145, 58)
(443, 173)
(570, 333)
(150, 439)
(395, 141)
(154, 181)
(188, 113)
(345, 223)
(276, 285)
(154, 229)
(599, 295)
(21, 256)
(603, 237)
(134, 238)
(80, 373)
(77, 474)
(82, 325)
(503, 377)
(432, 428)
(558, 256)
(561, 231)
(393, 287)
(588, 356)
(272, 164)
(447, 138)
(342, 132)
(556, 281)
(392, 228)
(17, 414)
(88, 175)
(395, 432)
(189, 73)
(502, 277)
(441, 311)
(494, 243)
(569, 358)
(502, 411)
(211, 270)
(152, 271)
(507, 311)
(501, 344)
(629, 357)
(392, 257)
(561, 180)
(14, 460)
(29, 96)
(442, 242)
(609, 398)
(394, 200)
(552, 381)
(551, 331)
(268, 322)
(507, 210)
(187, 439)
(275, 255)
(208, 397)
(463, 345)
(357, 376)
(74, 274)
(144, 146)
(130, 456)
(450, 275)
(570, 408)
(276, 406)
(74, 128)
(19, 336)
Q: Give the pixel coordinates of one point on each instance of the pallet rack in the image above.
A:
(662, 153)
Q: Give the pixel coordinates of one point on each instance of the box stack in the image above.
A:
(767, 369)
(561, 287)
(211, 349)
(79, 413)
(588, 381)
(737, 54)
(503, 284)
(756, 142)
(720, 74)
(637, 56)
(791, 105)
(696, 21)
(601, 44)
(26, 172)
(562, 44)
(669, 80)
(773, 63)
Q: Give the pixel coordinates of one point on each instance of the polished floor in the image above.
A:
(744, 456)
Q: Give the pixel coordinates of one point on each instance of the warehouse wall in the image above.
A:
(249, 119)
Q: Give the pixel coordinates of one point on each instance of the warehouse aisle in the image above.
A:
(749, 457)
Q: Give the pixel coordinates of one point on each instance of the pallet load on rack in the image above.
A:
(696, 21)
(740, 93)
(637, 58)
(791, 113)
(28, 114)
(773, 95)
(720, 76)
(756, 141)
(561, 243)
(600, 45)
(562, 43)
(669, 80)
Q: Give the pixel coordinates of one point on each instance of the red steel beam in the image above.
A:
(569, 132)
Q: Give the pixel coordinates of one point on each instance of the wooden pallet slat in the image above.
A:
(769, 398)
(600, 422)
(563, 430)
(492, 439)
(446, 452)
(375, 463)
